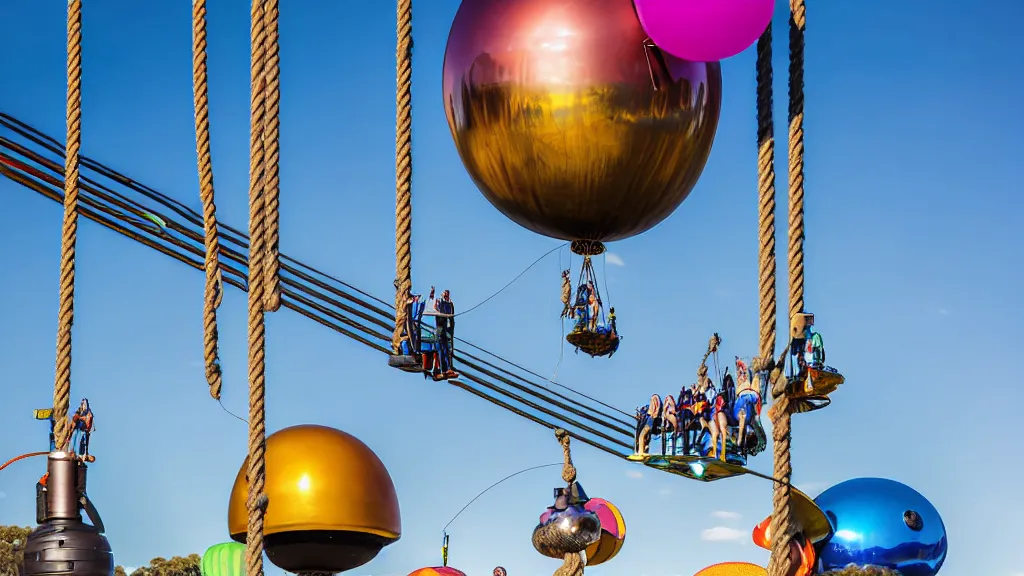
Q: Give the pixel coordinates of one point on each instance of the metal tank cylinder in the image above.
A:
(63, 544)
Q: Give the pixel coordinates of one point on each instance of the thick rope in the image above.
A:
(403, 169)
(214, 285)
(271, 154)
(257, 277)
(782, 524)
(574, 562)
(573, 565)
(568, 470)
(69, 228)
(766, 196)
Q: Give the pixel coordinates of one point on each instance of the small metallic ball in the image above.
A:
(566, 532)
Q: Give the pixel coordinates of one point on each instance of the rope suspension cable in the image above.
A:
(314, 310)
(403, 168)
(69, 228)
(589, 412)
(214, 292)
(235, 236)
(782, 523)
(257, 302)
(235, 277)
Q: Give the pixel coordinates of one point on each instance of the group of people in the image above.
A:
(704, 418)
(435, 347)
(586, 309)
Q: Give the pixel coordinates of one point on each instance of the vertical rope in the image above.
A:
(213, 292)
(574, 562)
(782, 529)
(403, 168)
(271, 151)
(69, 227)
(797, 24)
(768, 303)
(257, 278)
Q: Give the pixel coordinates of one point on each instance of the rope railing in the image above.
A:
(125, 206)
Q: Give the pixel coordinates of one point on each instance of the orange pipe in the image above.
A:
(22, 457)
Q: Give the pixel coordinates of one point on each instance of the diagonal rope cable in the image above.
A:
(315, 305)
(271, 156)
(326, 302)
(256, 472)
(69, 227)
(782, 525)
(213, 293)
(403, 167)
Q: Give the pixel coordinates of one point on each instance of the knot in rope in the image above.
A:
(568, 470)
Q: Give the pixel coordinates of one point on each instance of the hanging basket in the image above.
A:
(816, 383)
(406, 363)
(600, 343)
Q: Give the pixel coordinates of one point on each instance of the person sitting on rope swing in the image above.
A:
(414, 307)
(580, 310)
(814, 353)
(593, 312)
(445, 309)
(567, 311)
(82, 421)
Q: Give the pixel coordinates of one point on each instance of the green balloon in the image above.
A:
(227, 559)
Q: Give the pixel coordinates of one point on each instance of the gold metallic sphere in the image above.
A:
(569, 122)
(331, 502)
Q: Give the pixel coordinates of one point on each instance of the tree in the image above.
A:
(12, 549)
(176, 566)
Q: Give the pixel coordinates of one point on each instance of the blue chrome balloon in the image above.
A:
(882, 523)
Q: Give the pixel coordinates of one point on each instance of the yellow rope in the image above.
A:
(257, 287)
(403, 169)
(214, 286)
(782, 525)
(271, 153)
(69, 227)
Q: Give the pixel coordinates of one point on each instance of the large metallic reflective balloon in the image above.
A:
(883, 523)
(569, 122)
(331, 502)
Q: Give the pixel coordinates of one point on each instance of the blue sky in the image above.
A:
(913, 271)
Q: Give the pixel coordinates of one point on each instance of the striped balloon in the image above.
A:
(438, 571)
(227, 559)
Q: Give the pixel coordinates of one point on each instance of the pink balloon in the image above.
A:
(704, 30)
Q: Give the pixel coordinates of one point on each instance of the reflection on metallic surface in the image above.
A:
(566, 532)
(569, 122)
(884, 523)
(331, 502)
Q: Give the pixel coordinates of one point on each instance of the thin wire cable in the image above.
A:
(512, 281)
(488, 489)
